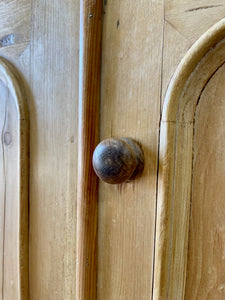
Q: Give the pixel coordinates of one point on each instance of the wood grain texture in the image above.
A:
(42, 39)
(175, 171)
(49, 63)
(206, 260)
(87, 184)
(185, 22)
(15, 21)
(14, 185)
(50, 66)
(173, 52)
(193, 18)
(130, 106)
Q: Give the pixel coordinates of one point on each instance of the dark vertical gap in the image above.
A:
(157, 179)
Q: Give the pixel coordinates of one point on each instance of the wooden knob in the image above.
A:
(116, 160)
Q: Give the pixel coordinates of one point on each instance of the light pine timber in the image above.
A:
(46, 53)
(206, 259)
(47, 58)
(130, 107)
(175, 161)
(185, 22)
(14, 178)
(51, 71)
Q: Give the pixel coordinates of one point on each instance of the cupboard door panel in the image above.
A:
(206, 252)
(183, 179)
(130, 106)
(41, 38)
(53, 82)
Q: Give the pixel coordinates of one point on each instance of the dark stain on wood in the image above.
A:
(202, 7)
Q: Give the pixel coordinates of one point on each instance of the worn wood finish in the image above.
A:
(117, 160)
(143, 42)
(87, 184)
(50, 66)
(14, 27)
(191, 19)
(47, 58)
(14, 185)
(175, 169)
(130, 106)
(206, 260)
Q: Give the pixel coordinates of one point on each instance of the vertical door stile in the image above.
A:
(87, 185)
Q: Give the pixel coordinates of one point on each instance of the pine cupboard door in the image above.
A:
(160, 237)
(39, 41)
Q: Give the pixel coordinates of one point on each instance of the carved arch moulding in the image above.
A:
(198, 66)
(14, 160)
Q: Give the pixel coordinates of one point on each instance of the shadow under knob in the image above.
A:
(116, 160)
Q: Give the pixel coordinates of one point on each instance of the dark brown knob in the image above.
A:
(117, 160)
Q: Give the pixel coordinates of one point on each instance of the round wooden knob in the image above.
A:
(116, 160)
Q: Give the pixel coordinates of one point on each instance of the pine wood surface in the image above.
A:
(126, 213)
(143, 43)
(14, 185)
(175, 171)
(47, 59)
(205, 267)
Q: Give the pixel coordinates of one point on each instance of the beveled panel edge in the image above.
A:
(11, 78)
(175, 161)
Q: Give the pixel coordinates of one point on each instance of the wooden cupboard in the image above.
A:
(162, 236)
